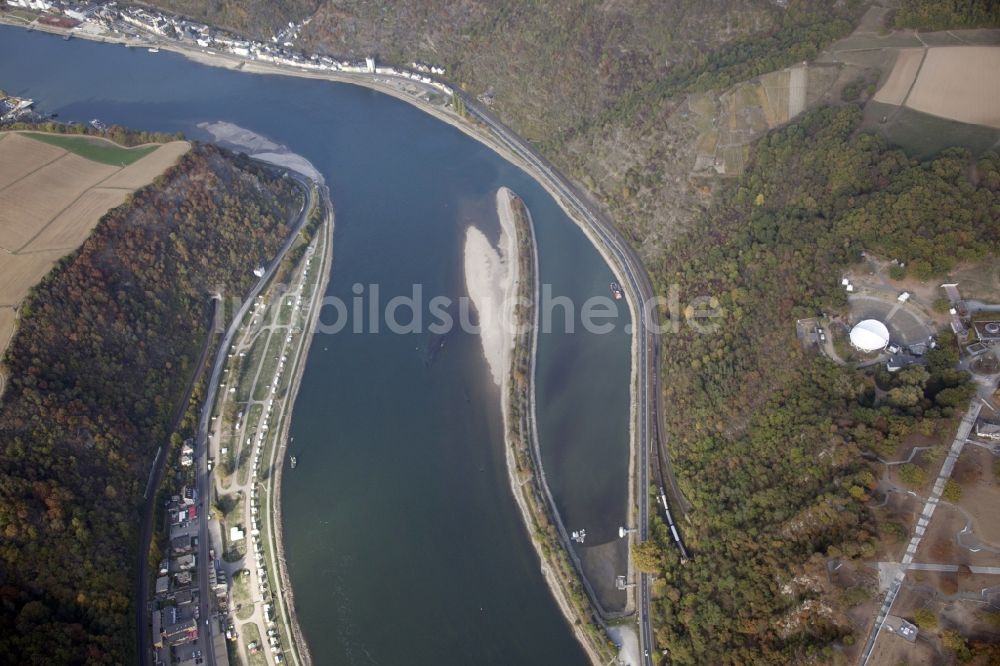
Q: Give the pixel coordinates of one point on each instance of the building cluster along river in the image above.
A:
(404, 544)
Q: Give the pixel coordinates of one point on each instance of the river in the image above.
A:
(404, 544)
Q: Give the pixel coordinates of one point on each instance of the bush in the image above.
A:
(925, 619)
(913, 475)
(854, 596)
(852, 90)
(952, 491)
(954, 641)
(895, 531)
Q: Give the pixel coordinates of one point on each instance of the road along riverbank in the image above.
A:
(249, 439)
(276, 548)
(406, 187)
(643, 385)
(509, 337)
(477, 123)
(470, 121)
(296, 320)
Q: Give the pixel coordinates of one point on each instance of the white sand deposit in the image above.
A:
(491, 280)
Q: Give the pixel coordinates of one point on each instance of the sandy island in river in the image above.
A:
(491, 280)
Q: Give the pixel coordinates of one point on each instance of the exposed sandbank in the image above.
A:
(240, 139)
(491, 280)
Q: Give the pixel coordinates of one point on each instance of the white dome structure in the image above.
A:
(870, 335)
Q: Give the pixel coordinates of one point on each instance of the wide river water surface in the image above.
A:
(403, 541)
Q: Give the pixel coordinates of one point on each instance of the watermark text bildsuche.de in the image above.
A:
(367, 310)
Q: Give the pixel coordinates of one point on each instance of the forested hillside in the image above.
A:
(767, 440)
(102, 355)
(254, 18)
(594, 84)
(558, 67)
(948, 14)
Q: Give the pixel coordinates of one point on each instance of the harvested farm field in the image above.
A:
(904, 72)
(142, 172)
(29, 204)
(20, 272)
(72, 225)
(30, 155)
(961, 83)
(53, 191)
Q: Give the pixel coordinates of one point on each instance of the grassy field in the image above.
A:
(97, 150)
(249, 633)
(980, 280)
(243, 463)
(287, 308)
(22, 14)
(248, 369)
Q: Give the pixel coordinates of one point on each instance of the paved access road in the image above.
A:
(249, 439)
(961, 437)
(205, 594)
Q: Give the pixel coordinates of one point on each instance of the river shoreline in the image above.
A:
(517, 410)
(485, 136)
(271, 570)
(285, 593)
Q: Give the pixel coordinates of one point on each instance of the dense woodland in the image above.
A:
(102, 355)
(254, 18)
(767, 440)
(948, 14)
(797, 35)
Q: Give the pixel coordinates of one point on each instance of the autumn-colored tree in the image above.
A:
(104, 350)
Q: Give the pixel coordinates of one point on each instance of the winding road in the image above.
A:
(205, 593)
(640, 291)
